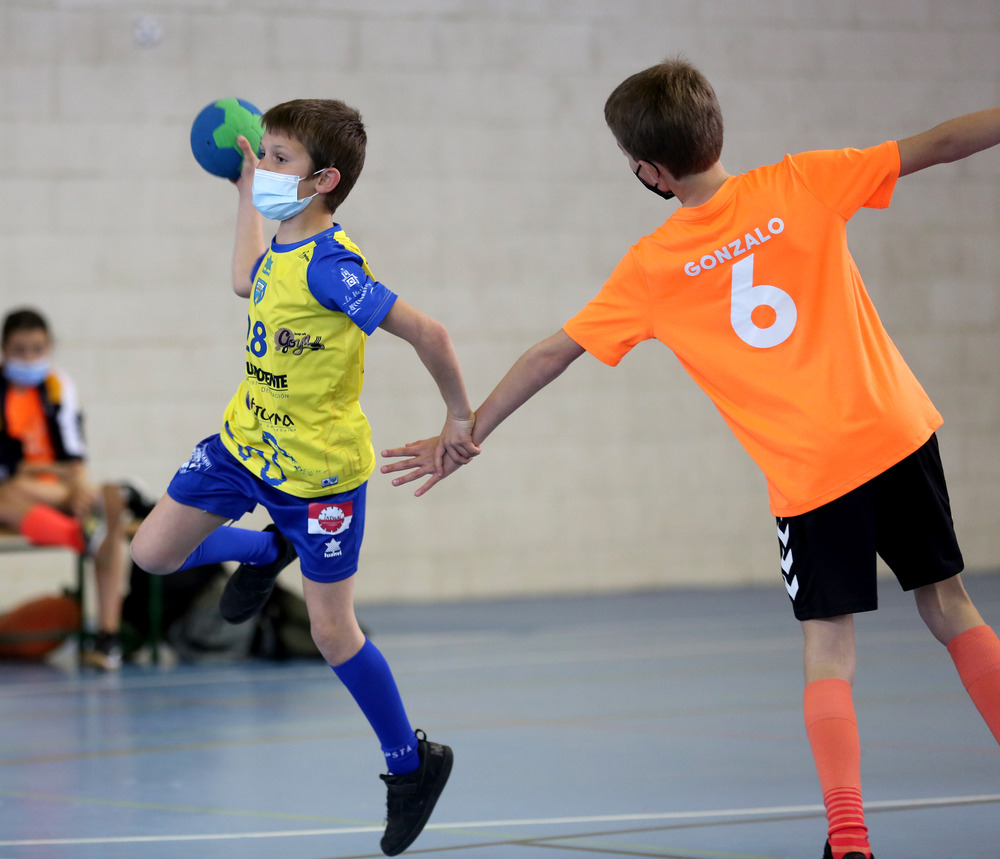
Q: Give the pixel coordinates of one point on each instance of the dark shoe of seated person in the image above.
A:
(105, 653)
(248, 588)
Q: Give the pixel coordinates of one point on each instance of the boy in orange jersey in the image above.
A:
(751, 284)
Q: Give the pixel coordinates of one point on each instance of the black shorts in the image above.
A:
(828, 555)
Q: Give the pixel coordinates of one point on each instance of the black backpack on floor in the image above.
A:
(283, 628)
(192, 625)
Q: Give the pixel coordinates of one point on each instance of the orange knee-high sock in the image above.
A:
(833, 736)
(976, 654)
(45, 526)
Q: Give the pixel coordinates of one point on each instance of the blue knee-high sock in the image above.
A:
(369, 679)
(234, 544)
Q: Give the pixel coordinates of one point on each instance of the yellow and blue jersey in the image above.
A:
(296, 420)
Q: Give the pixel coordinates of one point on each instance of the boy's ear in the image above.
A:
(328, 181)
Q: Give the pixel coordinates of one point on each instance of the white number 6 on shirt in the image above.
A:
(747, 298)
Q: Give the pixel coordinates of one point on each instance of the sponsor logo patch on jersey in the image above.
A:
(198, 461)
(258, 290)
(330, 519)
(297, 342)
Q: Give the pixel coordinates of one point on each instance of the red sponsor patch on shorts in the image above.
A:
(327, 518)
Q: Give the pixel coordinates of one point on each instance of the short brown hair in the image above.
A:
(331, 132)
(23, 319)
(667, 114)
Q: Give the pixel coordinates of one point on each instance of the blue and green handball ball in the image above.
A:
(214, 133)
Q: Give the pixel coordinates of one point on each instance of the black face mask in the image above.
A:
(667, 195)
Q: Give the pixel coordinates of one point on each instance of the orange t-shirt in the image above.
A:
(758, 297)
(45, 420)
(26, 422)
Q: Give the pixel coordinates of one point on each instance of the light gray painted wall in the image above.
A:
(495, 199)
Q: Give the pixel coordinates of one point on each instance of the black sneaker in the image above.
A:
(411, 797)
(105, 653)
(248, 588)
(828, 854)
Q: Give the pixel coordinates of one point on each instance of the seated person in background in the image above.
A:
(44, 490)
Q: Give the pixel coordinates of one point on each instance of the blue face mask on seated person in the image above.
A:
(667, 195)
(276, 195)
(27, 374)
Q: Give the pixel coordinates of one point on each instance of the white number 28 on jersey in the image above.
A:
(773, 328)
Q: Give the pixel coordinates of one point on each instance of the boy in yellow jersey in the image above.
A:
(294, 438)
(751, 284)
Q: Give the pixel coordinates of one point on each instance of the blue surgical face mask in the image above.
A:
(276, 195)
(27, 374)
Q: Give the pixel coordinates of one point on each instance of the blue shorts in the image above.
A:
(326, 532)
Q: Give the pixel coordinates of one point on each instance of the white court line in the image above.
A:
(885, 805)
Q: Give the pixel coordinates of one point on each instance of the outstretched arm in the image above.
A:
(950, 141)
(250, 242)
(542, 363)
(433, 346)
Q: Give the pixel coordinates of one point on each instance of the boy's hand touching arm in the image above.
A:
(421, 461)
(542, 363)
(250, 242)
(950, 141)
(432, 343)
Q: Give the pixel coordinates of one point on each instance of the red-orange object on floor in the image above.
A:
(38, 626)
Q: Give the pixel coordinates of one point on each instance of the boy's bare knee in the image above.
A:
(946, 608)
(338, 642)
(147, 558)
(829, 648)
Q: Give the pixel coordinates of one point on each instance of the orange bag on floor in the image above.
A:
(38, 627)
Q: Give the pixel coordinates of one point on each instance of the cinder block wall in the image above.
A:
(495, 199)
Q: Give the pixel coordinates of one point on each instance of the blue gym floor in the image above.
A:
(653, 725)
